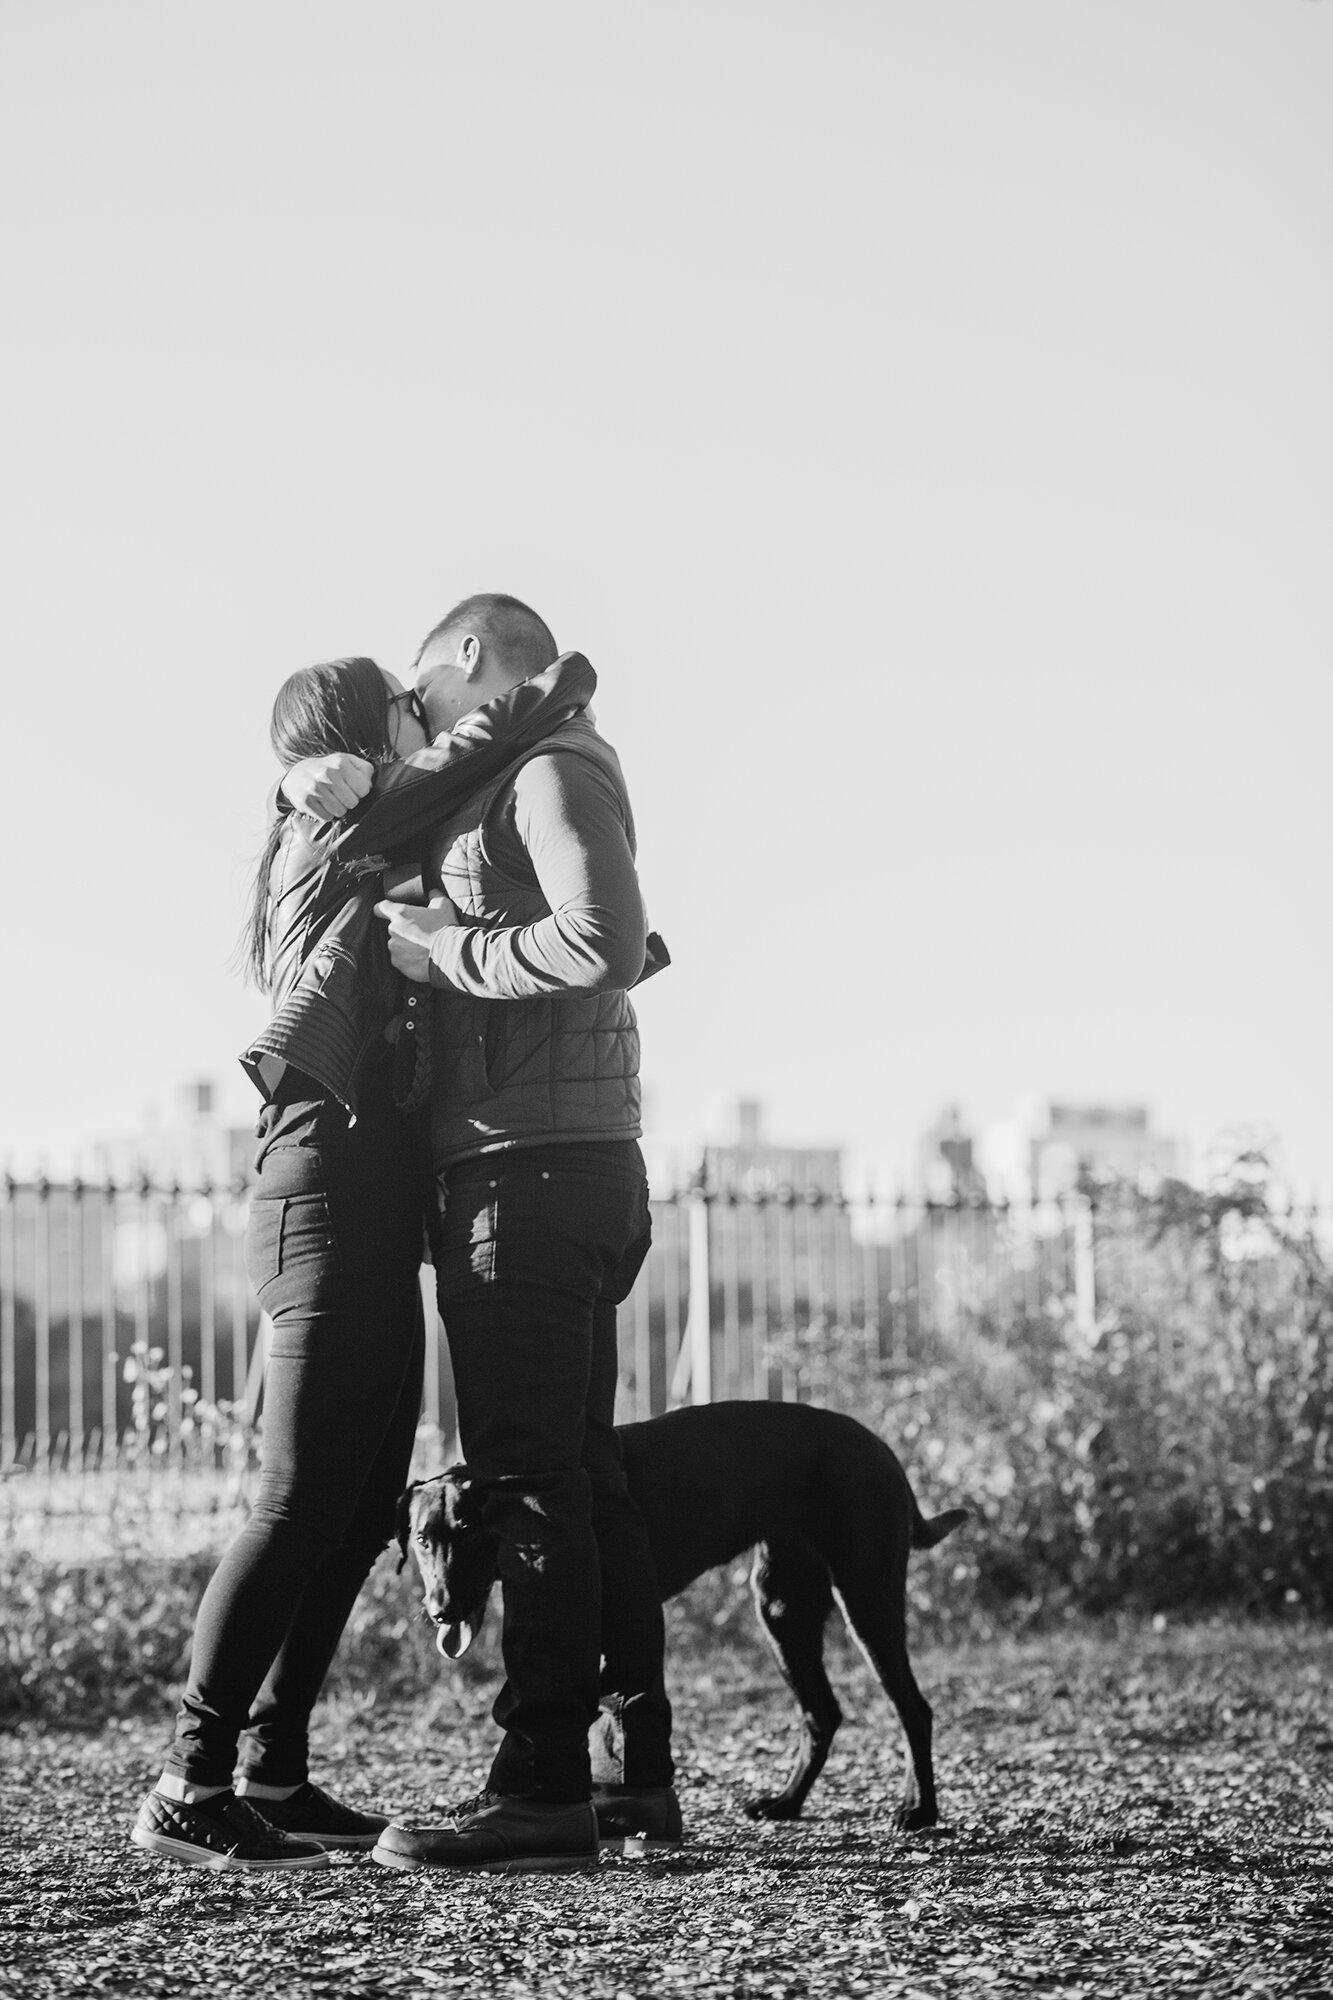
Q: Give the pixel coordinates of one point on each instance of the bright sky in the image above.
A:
(920, 411)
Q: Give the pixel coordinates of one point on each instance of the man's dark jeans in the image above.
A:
(534, 1250)
(333, 1250)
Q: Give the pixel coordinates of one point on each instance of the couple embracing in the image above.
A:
(448, 917)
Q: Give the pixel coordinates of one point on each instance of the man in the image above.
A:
(542, 1224)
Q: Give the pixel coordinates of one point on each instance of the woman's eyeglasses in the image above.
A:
(416, 707)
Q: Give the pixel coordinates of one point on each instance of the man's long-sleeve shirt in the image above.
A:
(566, 824)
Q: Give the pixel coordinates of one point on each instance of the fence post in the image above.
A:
(106, 1252)
(1085, 1269)
(41, 1308)
(8, 1318)
(74, 1321)
(699, 1320)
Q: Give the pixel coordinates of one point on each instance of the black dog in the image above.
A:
(829, 1508)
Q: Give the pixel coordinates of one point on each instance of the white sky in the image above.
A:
(920, 411)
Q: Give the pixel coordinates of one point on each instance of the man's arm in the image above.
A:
(414, 793)
(570, 819)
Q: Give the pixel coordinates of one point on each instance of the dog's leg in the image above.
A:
(606, 1748)
(793, 1594)
(872, 1591)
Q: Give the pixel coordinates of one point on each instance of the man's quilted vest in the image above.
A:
(509, 1073)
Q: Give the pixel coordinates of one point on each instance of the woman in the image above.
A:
(333, 1249)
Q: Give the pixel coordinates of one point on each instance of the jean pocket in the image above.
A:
(607, 1209)
(307, 1238)
(464, 1237)
(292, 1255)
(263, 1240)
(620, 1280)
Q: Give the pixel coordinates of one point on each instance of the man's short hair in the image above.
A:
(510, 627)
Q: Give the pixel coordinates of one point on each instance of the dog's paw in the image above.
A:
(771, 1808)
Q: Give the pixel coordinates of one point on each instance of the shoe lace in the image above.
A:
(252, 1825)
(477, 1803)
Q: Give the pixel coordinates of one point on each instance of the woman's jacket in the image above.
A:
(334, 988)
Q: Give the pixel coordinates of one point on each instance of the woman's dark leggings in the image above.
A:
(333, 1249)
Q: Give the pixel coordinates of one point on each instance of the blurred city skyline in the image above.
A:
(1042, 1151)
(920, 415)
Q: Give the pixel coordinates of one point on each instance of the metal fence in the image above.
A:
(127, 1325)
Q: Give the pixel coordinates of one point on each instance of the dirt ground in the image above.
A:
(1133, 1815)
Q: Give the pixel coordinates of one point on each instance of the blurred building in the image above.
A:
(753, 1165)
(945, 1166)
(191, 1145)
(1042, 1152)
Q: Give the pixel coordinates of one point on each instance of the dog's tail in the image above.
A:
(925, 1533)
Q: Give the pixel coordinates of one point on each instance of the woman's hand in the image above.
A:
(327, 787)
(411, 930)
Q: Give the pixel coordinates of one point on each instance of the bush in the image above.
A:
(1179, 1458)
(84, 1641)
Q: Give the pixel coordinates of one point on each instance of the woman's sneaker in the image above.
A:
(221, 1832)
(312, 1814)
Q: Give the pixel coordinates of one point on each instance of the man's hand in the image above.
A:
(410, 932)
(327, 787)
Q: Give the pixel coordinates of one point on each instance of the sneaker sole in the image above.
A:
(200, 1857)
(518, 1864)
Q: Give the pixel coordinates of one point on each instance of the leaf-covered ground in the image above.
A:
(1143, 1814)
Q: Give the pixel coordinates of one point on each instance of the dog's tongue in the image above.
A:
(454, 1640)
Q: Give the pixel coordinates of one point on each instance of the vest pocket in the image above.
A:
(477, 1058)
(492, 1045)
(470, 1083)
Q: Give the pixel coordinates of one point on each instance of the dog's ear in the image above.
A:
(403, 1521)
(466, 1499)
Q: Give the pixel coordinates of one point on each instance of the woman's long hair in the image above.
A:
(338, 705)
